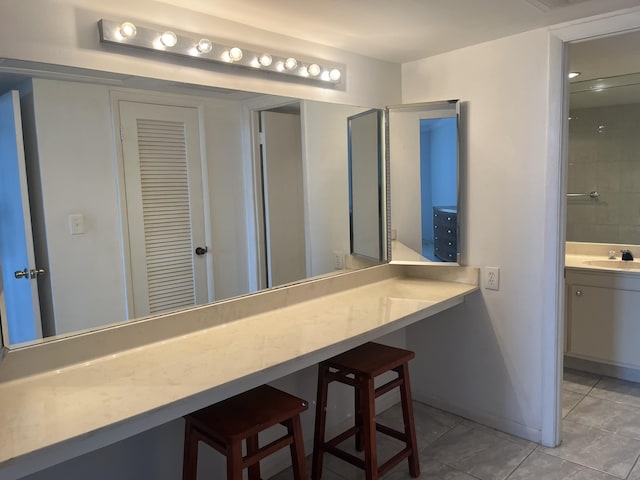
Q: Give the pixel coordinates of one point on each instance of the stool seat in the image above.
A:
(370, 359)
(359, 367)
(225, 425)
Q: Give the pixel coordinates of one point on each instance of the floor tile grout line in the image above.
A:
(633, 466)
(610, 432)
(574, 407)
(521, 462)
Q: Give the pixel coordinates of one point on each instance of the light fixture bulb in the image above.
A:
(280, 66)
(235, 54)
(169, 39)
(325, 76)
(204, 45)
(335, 74)
(314, 69)
(303, 71)
(573, 74)
(290, 63)
(128, 30)
(265, 59)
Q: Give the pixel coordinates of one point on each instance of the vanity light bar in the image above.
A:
(195, 46)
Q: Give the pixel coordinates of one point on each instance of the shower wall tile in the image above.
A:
(604, 155)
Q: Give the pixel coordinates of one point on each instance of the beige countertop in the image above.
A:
(55, 415)
(595, 257)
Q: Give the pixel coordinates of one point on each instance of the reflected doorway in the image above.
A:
(281, 195)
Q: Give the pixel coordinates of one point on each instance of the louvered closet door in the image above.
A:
(164, 197)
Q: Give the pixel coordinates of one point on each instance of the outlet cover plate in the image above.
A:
(492, 278)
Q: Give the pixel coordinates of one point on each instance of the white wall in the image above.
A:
(65, 32)
(483, 359)
(76, 156)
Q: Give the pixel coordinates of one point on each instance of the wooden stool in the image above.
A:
(226, 424)
(358, 368)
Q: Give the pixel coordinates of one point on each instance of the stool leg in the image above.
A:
(368, 403)
(252, 448)
(298, 460)
(409, 422)
(234, 460)
(190, 458)
(321, 417)
(357, 415)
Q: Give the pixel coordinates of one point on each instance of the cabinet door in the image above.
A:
(604, 324)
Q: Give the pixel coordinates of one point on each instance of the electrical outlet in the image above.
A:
(492, 278)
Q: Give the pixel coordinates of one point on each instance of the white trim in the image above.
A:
(158, 98)
(553, 331)
(256, 253)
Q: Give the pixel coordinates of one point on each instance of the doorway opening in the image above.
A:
(280, 196)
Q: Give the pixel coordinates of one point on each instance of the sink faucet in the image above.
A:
(626, 255)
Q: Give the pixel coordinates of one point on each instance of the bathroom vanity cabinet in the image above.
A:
(602, 317)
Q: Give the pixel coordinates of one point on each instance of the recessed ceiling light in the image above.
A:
(573, 74)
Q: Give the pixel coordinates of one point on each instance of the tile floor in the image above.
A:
(601, 441)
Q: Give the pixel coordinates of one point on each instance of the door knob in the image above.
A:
(201, 250)
(21, 274)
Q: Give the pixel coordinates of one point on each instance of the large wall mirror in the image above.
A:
(603, 173)
(423, 145)
(145, 196)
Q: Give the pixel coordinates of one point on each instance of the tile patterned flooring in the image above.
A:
(600, 431)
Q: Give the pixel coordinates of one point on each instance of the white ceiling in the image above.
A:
(400, 30)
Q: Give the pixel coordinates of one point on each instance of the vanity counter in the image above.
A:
(600, 262)
(595, 257)
(52, 416)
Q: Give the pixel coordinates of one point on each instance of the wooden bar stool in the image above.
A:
(358, 368)
(226, 424)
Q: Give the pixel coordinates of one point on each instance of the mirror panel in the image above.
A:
(424, 146)
(366, 190)
(603, 173)
(76, 174)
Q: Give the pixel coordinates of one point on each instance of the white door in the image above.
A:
(164, 206)
(21, 315)
(283, 197)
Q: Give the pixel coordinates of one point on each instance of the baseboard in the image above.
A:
(615, 371)
(484, 418)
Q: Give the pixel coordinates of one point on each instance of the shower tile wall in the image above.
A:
(604, 156)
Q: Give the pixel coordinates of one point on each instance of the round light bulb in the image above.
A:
(128, 30)
(303, 71)
(235, 54)
(314, 69)
(335, 74)
(290, 63)
(204, 45)
(280, 66)
(325, 76)
(169, 39)
(265, 59)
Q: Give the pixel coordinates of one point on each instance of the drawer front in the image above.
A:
(445, 234)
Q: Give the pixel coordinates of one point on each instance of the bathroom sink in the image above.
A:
(619, 264)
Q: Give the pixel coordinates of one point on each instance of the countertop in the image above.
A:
(585, 262)
(582, 255)
(55, 415)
